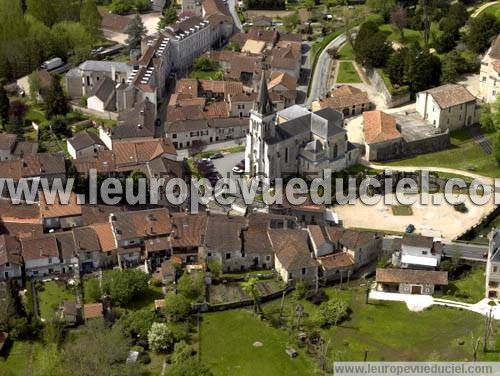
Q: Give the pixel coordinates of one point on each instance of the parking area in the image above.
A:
(225, 165)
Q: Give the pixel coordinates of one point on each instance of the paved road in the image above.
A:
(466, 251)
(478, 11)
(236, 20)
(321, 74)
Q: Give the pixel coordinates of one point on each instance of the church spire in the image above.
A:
(263, 105)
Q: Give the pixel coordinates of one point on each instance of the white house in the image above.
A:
(41, 256)
(420, 252)
(448, 107)
(84, 144)
(489, 75)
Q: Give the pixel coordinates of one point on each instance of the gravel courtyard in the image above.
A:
(441, 221)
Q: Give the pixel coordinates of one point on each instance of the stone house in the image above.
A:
(60, 213)
(107, 245)
(408, 281)
(448, 107)
(84, 144)
(383, 140)
(489, 75)
(188, 236)
(41, 256)
(67, 251)
(347, 99)
(87, 248)
(11, 262)
(293, 260)
(493, 267)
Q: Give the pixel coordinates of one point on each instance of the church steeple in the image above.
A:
(264, 106)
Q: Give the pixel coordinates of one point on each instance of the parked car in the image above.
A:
(237, 170)
(53, 63)
(217, 156)
(410, 228)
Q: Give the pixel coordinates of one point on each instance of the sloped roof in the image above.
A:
(188, 229)
(291, 248)
(224, 233)
(85, 139)
(142, 223)
(10, 250)
(379, 127)
(282, 78)
(450, 95)
(411, 276)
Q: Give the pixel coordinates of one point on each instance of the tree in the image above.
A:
(92, 290)
(396, 66)
(422, 69)
(42, 10)
(250, 288)
(182, 352)
(300, 290)
(190, 367)
(34, 86)
(4, 105)
(125, 286)
(233, 46)
(91, 19)
(486, 119)
(496, 147)
(382, 7)
(136, 324)
(56, 102)
(169, 16)
(206, 64)
(160, 338)
(121, 6)
(482, 30)
(95, 351)
(142, 5)
(215, 268)
(399, 20)
(332, 312)
(372, 51)
(135, 32)
(451, 66)
(177, 307)
(191, 285)
(17, 111)
(290, 22)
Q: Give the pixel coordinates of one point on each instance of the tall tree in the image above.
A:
(135, 32)
(250, 287)
(91, 19)
(4, 105)
(42, 10)
(482, 29)
(56, 101)
(399, 20)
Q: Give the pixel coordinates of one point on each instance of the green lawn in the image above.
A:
(148, 299)
(402, 210)
(50, 297)
(410, 35)
(17, 358)
(346, 52)
(227, 346)
(468, 288)
(494, 10)
(390, 332)
(347, 73)
(207, 75)
(464, 154)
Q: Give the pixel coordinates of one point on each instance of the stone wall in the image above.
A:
(378, 82)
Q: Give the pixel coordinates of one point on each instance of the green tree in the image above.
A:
(451, 67)
(121, 6)
(290, 22)
(206, 64)
(396, 66)
(332, 312)
(169, 16)
(373, 51)
(190, 367)
(135, 32)
(125, 286)
(92, 290)
(42, 10)
(177, 307)
(160, 338)
(215, 268)
(95, 351)
(486, 119)
(496, 146)
(250, 287)
(4, 105)
(56, 102)
(191, 285)
(422, 69)
(482, 30)
(182, 352)
(136, 324)
(91, 19)
(17, 111)
(399, 20)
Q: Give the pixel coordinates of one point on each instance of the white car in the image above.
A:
(237, 170)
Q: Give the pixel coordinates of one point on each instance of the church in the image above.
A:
(304, 145)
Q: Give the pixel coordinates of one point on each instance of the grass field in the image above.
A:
(494, 10)
(18, 356)
(402, 210)
(51, 296)
(390, 332)
(410, 35)
(347, 73)
(469, 288)
(227, 346)
(464, 154)
(346, 52)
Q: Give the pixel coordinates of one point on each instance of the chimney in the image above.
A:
(113, 73)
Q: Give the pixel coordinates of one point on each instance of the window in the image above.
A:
(494, 269)
(228, 256)
(50, 260)
(268, 258)
(174, 135)
(209, 254)
(303, 271)
(7, 265)
(424, 252)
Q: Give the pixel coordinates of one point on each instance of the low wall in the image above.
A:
(107, 115)
(207, 307)
(378, 82)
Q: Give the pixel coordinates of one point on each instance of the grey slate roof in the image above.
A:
(104, 89)
(138, 122)
(84, 139)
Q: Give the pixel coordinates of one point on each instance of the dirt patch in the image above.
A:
(250, 14)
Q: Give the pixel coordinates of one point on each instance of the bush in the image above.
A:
(160, 338)
(121, 6)
(191, 285)
(92, 291)
(125, 286)
(461, 208)
(332, 312)
(177, 307)
(142, 5)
